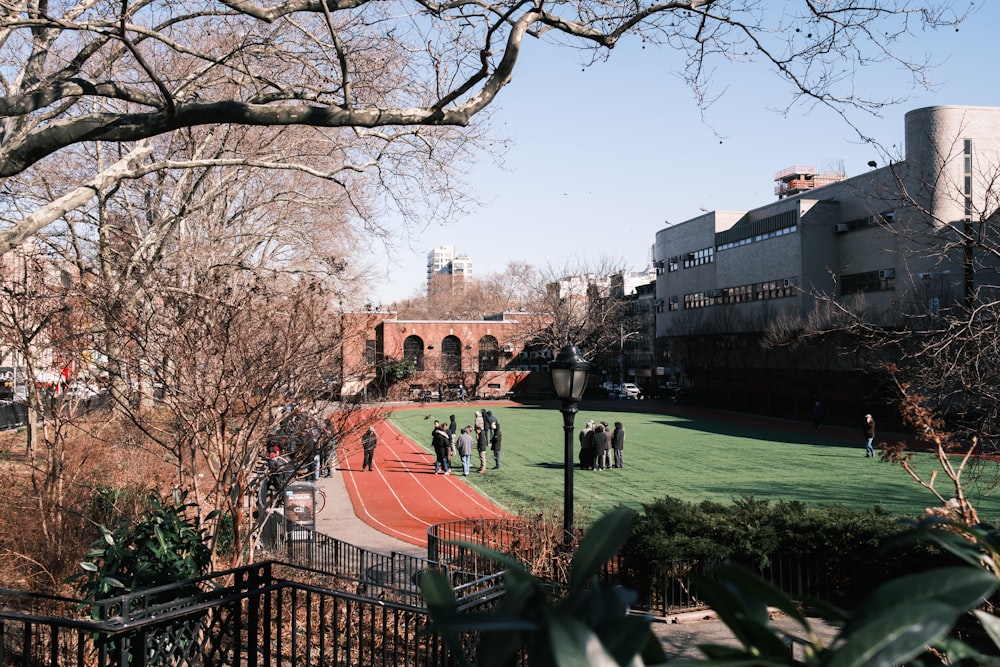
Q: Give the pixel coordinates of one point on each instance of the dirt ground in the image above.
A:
(681, 635)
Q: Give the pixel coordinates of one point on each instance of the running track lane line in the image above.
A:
(400, 501)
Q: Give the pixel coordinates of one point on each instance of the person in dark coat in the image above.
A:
(587, 446)
(489, 420)
(453, 436)
(495, 444)
(368, 442)
(618, 444)
(868, 430)
(817, 414)
(441, 442)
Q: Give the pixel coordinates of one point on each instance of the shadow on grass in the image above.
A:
(722, 423)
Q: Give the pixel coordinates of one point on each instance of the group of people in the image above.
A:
(300, 440)
(602, 448)
(483, 435)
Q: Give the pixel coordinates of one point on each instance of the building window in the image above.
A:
(699, 257)
(413, 350)
(869, 281)
(451, 355)
(967, 151)
(672, 264)
(879, 219)
(781, 288)
(489, 354)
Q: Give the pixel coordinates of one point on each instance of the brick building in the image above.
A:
(492, 358)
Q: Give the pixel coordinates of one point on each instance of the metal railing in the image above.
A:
(247, 616)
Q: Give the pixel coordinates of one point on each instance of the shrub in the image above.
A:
(165, 546)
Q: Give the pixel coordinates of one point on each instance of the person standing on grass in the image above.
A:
(480, 419)
(452, 437)
(868, 429)
(464, 446)
(606, 450)
(587, 446)
(368, 442)
(441, 442)
(618, 444)
(817, 414)
(482, 444)
(495, 442)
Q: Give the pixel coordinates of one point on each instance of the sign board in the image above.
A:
(300, 504)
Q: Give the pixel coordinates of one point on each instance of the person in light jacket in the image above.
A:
(482, 444)
(464, 446)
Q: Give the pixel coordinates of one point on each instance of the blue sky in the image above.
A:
(603, 156)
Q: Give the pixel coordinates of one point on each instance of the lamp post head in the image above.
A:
(569, 373)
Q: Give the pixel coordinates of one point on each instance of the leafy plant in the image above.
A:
(586, 624)
(398, 370)
(167, 545)
(908, 620)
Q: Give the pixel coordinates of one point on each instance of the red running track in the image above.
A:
(402, 496)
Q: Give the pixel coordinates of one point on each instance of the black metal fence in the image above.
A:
(665, 589)
(394, 576)
(337, 604)
(248, 616)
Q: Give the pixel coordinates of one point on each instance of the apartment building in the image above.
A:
(885, 243)
(447, 271)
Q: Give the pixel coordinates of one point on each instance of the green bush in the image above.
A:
(165, 546)
(752, 530)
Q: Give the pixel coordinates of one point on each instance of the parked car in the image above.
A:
(627, 391)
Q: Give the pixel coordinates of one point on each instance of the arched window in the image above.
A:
(451, 355)
(413, 350)
(489, 354)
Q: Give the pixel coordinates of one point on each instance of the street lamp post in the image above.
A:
(569, 377)
(622, 337)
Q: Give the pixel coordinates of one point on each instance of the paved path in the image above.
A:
(391, 507)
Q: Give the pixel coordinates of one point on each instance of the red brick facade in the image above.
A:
(490, 358)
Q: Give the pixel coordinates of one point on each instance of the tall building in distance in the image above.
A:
(447, 272)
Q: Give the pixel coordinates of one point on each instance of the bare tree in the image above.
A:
(212, 294)
(384, 82)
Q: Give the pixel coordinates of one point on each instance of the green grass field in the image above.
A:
(692, 459)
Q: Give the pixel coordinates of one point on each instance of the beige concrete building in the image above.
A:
(880, 237)
(886, 244)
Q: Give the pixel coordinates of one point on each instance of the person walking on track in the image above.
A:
(368, 442)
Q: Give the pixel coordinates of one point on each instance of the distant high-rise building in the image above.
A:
(447, 271)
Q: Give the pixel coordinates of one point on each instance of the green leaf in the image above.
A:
(752, 585)
(900, 634)
(575, 645)
(88, 566)
(991, 624)
(961, 588)
(600, 543)
(436, 589)
(957, 651)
